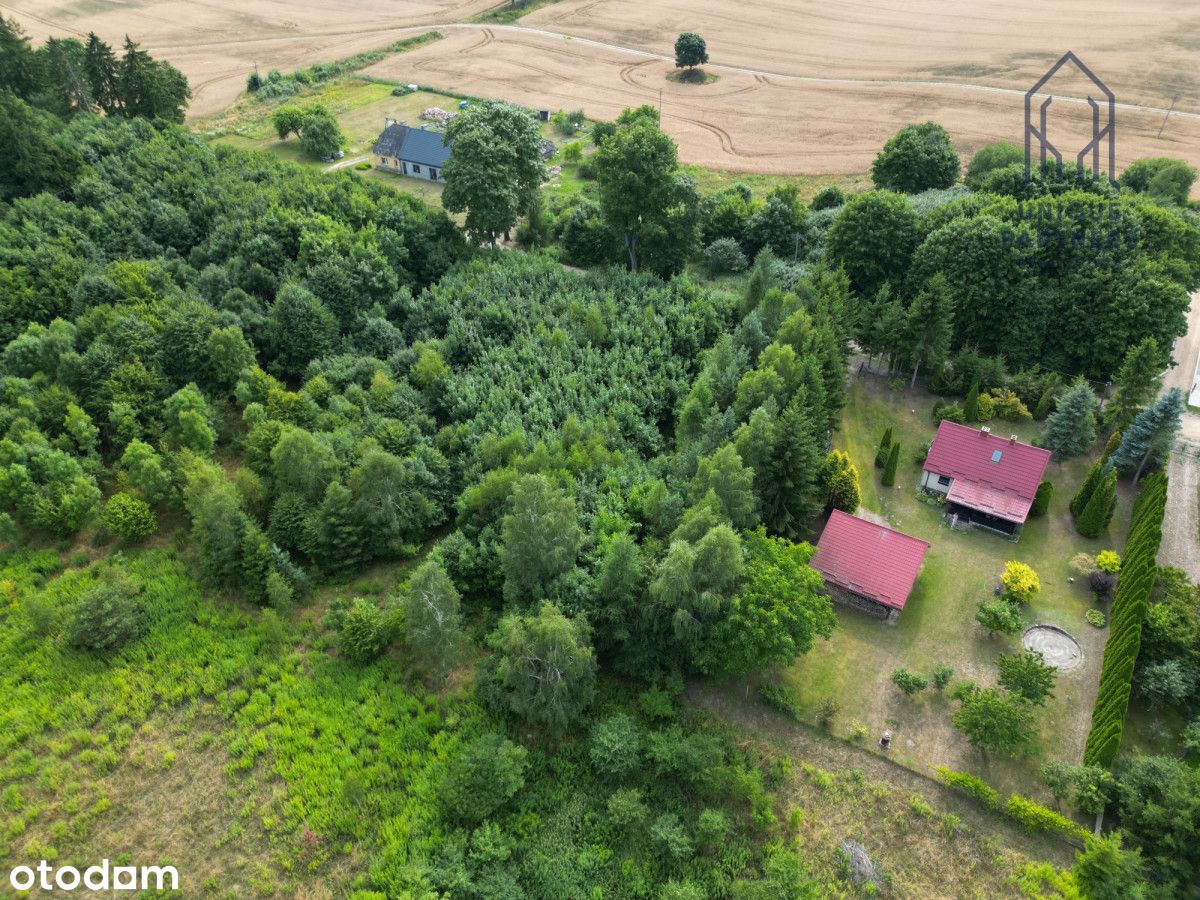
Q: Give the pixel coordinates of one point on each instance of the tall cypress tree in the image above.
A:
(889, 471)
(1097, 513)
(1114, 441)
(1149, 437)
(971, 403)
(1094, 476)
(1071, 428)
(885, 446)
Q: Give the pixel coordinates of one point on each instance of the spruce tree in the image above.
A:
(1071, 428)
(1137, 383)
(789, 486)
(971, 403)
(889, 471)
(1094, 476)
(337, 537)
(885, 446)
(1149, 437)
(1099, 509)
(929, 327)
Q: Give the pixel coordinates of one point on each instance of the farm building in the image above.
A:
(986, 479)
(867, 566)
(406, 150)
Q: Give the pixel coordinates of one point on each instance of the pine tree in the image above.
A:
(885, 446)
(1046, 401)
(929, 326)
(100, 64)
(971, 403)
(1149, 438)
(1041, 500)
(1071, 428)
(1099, 509)
(889, 471)
(1094, 476)
(1137, 383)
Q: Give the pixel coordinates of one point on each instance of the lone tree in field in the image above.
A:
(495, 167)
(690, 51)
(917, 158)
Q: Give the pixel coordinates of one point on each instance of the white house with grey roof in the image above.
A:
(417, 152)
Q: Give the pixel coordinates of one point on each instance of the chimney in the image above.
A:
(1012, 438)
(984, 431)
(388, 123)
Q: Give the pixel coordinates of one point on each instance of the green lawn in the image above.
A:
(938, 624)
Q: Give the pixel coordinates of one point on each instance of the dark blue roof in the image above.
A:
(416, 145)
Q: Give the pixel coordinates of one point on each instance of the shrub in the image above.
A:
(1083, 564)
(481, 778)
(1007, 405)
(571, 152)
(1041, 500)
(1101, 584)
(601, 131)
(829, 709)
(105, 618)
(711, 828)
(1035, 817)
(626, 809)
(999, 615)
(364, 631)
(968, 784)
(724, 255)
(128, 517)
(942, 674)
(670, 838)
(615, 747)
(909, 682)
(889, 469)
(828, 198)
(781, 700)
(885, 447)
(1020, 582)
(1095, 617)
(1108, 561)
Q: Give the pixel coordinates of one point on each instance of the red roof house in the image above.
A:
(869, 566)
(987, 479)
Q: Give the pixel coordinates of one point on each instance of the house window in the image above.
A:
(433, 174)
(416, 169)
(943, 480)
(996, 455)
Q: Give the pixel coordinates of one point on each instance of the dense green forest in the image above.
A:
(227, 383)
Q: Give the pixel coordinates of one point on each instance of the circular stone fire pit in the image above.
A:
(1057, 646)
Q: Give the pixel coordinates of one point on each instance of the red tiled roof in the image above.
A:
(869, 559)
(1003, 487)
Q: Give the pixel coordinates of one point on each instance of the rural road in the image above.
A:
(1181, 525)
(394, 33)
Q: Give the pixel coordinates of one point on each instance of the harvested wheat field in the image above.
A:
(803, 86)
(217, 43)
(755, 122)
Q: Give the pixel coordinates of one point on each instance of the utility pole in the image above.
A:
(660, 104)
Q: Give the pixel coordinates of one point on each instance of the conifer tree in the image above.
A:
(337, 537)
(1098, 511)
(789, 487)
(1046, 401)
(929, 326)
(971, 403)
(885, 446)
(889, 471)
(1094, 476)
(1149, 437)
(1114, 441)
(1137, 383)
(1071, 428)
(1041, 500)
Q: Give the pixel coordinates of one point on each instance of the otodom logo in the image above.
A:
(1104, 122)
(102, 877)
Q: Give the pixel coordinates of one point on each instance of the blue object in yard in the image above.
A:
(462, 104)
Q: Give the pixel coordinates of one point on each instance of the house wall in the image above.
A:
(405, 167)
(929, 482)
(862, 604)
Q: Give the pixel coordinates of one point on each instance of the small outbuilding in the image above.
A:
(868, 566)
(417, 152)
(987, 480)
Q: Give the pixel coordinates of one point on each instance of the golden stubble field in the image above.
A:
(804, 86)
